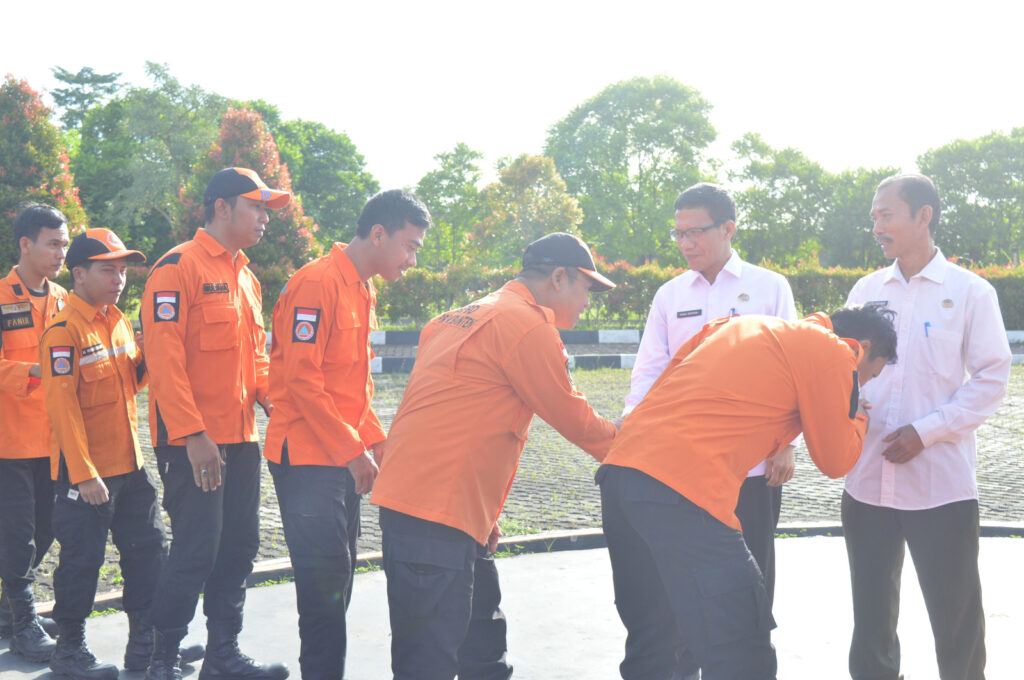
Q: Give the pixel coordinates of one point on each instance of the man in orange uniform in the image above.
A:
(203, 322)
(734, 394)
(323, 427)
(481, 374)
(92, 370)
(28, 301)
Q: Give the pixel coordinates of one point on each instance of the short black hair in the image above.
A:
(210, 209)
(916, 191)
(33, 217)
(717, 201)
(392, 209)
(868, 322)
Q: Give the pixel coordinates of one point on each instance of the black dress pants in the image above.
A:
(758, 510)
(943, 543)
(444, 602)
(214, 537)
(26, 507)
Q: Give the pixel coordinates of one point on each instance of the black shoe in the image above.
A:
(165, 664)
(73, 659)
(225, 661)
(7, 620)
(139, 649)
(28, 639)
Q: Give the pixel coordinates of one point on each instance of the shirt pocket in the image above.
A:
(943, 350)
(98, 385)
(21, 345)
(347, 344)
(220, 328)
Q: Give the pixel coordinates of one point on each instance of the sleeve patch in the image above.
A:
(305, 325)
(165, 305)
(60, 361)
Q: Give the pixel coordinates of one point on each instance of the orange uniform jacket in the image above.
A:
(734, 394)
(23, 316)
(320, 355)
(481, 374)
(92, 369)
(202, 319)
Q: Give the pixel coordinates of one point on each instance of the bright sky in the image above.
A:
(850, 84)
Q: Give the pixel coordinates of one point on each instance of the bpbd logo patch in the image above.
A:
(305, 325)
(60, 361)
(165, 305)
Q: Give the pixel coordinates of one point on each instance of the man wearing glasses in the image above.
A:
(719, 284)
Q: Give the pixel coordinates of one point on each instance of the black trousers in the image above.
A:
(320, 513)
(26, 507)
(943, 543)
(758, 510)
(444, 602)
(215, 537)
(132, 518)
(683, 581)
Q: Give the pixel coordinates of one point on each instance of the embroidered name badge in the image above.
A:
(305, 324)
(220, 287)
(165, 305)
(15, 315)
(60, 361)
(92, 349)
(881, 304)
(688, 313)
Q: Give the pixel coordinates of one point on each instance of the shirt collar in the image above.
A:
(215, 249)
(345, 265)
(935, 270)
(91, 313)
(520, 289)
(732, 266)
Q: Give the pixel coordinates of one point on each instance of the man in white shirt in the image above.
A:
(718, 284)
(915, 483)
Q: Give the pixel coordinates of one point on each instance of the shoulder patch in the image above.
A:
(165, 305)
(60, 360)
(305, 325)
(18, 290)
(167, 259)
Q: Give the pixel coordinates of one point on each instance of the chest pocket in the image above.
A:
(98, 385)
(347, 344)
(220, 328)
(21, 345)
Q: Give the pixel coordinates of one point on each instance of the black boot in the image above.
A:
(73, 659)
(139, 649)
(28, 639)
(165, 663)
(224, 661)
(7, 621)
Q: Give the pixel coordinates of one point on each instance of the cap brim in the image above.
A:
(600, 283)
(278, 199)
(130, 255)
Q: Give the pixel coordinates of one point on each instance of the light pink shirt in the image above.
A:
(951, 373)
(683, 305)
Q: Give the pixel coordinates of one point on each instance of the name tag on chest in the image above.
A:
(688, 313)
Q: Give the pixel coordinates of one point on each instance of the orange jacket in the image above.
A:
(481, 374)
(734, 394)
(320, 355)
(23, 316)
(92, 369)
(202, 318)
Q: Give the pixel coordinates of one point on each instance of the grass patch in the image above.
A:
(104, 612)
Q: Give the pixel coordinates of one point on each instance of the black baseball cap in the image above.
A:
(231, 182)
(99, 244)
(565, 250)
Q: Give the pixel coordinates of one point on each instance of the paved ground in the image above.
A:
(563, 624)
(554, 487)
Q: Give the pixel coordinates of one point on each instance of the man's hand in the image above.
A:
(204, 455)
(363, 471)
(492, 541)
(378, 452)
(780, 467)
(33, 371)
(904, 444)
(94, 491)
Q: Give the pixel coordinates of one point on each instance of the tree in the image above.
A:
(981, 187)
(34, 165)
(450, 192)
(85, 90)
(626, 154)
(528, 200)
(289, 242)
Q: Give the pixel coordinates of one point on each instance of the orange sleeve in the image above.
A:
(58, 361)
(165, 338)
(833, 438)
(539, 373)
(260, 349)
(372, 431)
(310, 303)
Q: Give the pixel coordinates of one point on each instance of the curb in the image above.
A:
(627, 336)
(280, 568)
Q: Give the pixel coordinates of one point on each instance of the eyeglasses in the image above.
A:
(694, 233)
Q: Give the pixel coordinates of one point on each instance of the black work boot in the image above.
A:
(73, 659)
(28, 639)
(225, 661)
(7, 621)
(139, 649)
(165, 663)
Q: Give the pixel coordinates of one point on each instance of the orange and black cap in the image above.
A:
(565, 250)
(231, 182)
(99, 244)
